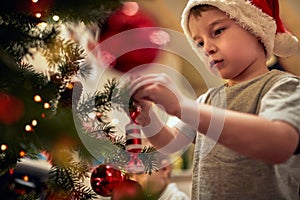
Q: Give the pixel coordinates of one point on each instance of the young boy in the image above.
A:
(257, 109)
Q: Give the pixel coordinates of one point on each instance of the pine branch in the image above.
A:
(20, 33)
(65, 55)
(30, 196)
(102, 101)
(148, 156)
(66, 181)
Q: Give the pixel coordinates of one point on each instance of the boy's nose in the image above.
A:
(209, 48)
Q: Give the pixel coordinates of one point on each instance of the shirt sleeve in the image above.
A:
(184, 128)
(282, 101)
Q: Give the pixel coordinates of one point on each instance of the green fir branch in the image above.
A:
(67, 183)
(30, 196)
(148, 157)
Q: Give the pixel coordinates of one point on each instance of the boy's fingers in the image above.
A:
(141, 82)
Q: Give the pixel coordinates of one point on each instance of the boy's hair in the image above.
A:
(198, 9)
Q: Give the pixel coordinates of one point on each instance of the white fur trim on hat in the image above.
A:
(246, 15)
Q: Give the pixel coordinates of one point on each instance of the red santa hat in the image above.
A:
(260, 17)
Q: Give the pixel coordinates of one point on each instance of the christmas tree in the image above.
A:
(37, 110)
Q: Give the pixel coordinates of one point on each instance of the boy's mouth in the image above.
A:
(215, 63)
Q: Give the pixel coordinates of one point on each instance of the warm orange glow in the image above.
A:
(46, 105)
(26, 178)
(28, 128)
(22, 154)
(37, 98)
(4, 147)
(34, 122)
(70, 85)
(35, 1)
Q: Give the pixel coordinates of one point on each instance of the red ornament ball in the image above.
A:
(104, 178)
(128, 190)
(11, 109)
(128, 49)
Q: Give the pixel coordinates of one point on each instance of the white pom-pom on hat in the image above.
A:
(260, 17)
(285, 44)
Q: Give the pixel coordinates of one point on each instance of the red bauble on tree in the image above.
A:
(128, 190)
(123, 50)
(11, 109)
(104, 178)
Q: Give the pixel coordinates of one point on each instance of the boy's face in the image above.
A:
(229, 49)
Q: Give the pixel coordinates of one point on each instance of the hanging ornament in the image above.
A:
(128, 189)
(134, 113)
(134, 144)
(104, 178)
(129, 16)
(11, 109)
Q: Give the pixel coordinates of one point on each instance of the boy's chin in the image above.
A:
(216, 72)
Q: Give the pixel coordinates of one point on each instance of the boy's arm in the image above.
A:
(272, 141)
(250, 135)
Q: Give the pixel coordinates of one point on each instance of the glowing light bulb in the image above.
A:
(34, 122)
(46, 105)
(22, 153)
(28, 128)
(37, 98)
(35, 1)
(38, 15)
(55, 18)
(25, 178)
(4, 147)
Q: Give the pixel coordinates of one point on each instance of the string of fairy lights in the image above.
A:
(39, 15)
(30, 127)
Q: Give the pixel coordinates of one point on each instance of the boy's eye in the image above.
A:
(200, 44)
(219, 31)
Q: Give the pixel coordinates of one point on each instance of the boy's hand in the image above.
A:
(159, 89)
